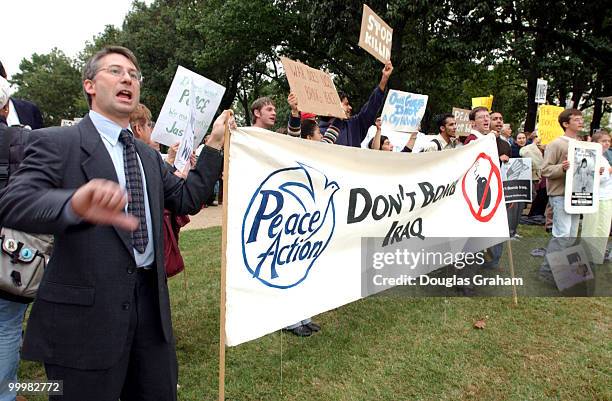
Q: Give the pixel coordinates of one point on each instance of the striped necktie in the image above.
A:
(133, 183)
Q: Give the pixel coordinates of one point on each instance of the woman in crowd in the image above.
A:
(519, 143)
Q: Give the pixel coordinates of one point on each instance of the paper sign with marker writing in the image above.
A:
(548, 123)
(174, 116)
(462, 118)
(486, 101)
(542, 86)
(314, 89)
(376, 36)
(403, 111)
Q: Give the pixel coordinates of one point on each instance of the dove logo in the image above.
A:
(287, 225)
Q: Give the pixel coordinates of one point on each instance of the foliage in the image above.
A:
(54, 83)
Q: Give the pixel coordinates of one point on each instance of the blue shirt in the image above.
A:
(109, 132)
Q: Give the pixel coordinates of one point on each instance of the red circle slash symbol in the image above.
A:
(482, 200)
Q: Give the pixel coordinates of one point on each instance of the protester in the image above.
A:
(596, 226)
(22, 112)
(446, 139)
(480, 121)
(521, 141)
(263, 113)
(535, 152)
(308, 129)
(506, 134)
(304, 125)
(354, 129)
(378, 141)
(12, 308)
(101, 322)
(565, 225)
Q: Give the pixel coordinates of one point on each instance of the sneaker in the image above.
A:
(538, 252)
(314, 327)
(300, 331)
(517, 235)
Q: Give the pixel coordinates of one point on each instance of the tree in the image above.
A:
(54, 83)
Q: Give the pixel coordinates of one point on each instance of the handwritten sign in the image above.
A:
(314, 89)
(542, 86)
(174, 116)
(548, 123)
(462, 118)
(403, 111)
(486, 101)
(376, 36)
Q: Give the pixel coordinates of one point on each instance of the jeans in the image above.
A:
(565, 229)
(11, 320)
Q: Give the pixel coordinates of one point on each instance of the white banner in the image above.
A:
(174, 116)
(582, 177)
(403, 111)
(298, 210)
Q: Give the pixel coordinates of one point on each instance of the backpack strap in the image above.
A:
(7, 134)
(5, 143)
(437, 144)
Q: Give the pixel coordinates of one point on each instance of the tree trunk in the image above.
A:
(598, 107)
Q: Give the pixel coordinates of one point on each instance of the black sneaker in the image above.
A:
(300, 331)
(314, 327)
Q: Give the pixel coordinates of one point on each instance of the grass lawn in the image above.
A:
(395, 348)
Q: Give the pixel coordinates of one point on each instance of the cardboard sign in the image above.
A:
(570, 266)
(548, 123)
(483, 102)
(540, 96)
(582, 178)
(376, 36)
(314, 89)
(403, 111)
(462, 118)
(516, 177)
(174, 116)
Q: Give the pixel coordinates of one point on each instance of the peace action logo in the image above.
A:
(482, 188)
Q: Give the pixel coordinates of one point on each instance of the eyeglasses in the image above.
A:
(118, 71)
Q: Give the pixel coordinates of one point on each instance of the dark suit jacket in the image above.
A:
(28, 113)
(80, 317)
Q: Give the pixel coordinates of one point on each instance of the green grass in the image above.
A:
(395, 348)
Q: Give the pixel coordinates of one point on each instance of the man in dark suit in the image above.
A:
(101, 321)
(22, 112)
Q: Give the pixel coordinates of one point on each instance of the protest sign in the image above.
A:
(582, 177)
(462, 118)
(174, 116)
(183, 155)
(569, 266)
(403, 111)
(295, 223)
(548, 123)
(68, 123)
(486, 101)
(516, 176)
(540, 96)
(314, 89)
(376, 36)
(398, 139)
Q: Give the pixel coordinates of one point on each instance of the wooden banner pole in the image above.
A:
(511, 262)
(226, 149)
